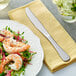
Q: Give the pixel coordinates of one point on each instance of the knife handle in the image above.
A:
(64, 56)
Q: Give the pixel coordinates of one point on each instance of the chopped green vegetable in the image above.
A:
(34, 53)
(14, 32)
(9, 68)
(6, 54)
(29, 60)
(0, 58)
(27, 54)
(9, 28)
(13, 37)
(22, 37)
(22, 33)
(18, 73)
(6, 67)
(66, 7)
(6, 27)
(1, 44)
(3, 50)
(74, 4)
(73, 9)
(2, 74)
(26, 42)
(73, 17)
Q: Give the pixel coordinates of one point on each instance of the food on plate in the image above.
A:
(1, 38)
(12, 57)
(12, 46)
(6, 33)
(66, 7)
(14, 53)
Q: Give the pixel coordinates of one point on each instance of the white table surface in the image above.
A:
(70, 28)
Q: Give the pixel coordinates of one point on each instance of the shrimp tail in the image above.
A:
(27, 47)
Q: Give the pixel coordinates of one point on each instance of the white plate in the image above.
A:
(33, 40)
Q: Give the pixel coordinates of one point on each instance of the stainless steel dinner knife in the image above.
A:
(64, 56)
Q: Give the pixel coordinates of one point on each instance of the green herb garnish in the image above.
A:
(34, 53)
(22, 37)
(18, 73)
(22, 33)
(1, 43)
(6, 27)
(26, 42)
(27, 54)
(6, 54)
(2, 74)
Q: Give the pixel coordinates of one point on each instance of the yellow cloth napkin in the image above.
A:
(51, 57)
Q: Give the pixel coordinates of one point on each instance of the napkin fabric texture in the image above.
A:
(51, 57)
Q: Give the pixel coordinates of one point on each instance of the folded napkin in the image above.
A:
(51, 57)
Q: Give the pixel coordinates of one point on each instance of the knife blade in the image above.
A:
(64, 56)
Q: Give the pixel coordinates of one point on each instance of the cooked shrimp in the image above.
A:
(1, 38)
(12, 57)
(6, 33)
(12, 46)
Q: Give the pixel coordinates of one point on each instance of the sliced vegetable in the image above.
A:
(2, 35)
(2, 74)
(9, 73)
(1, 51)
(3, 56)
(26, 42)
